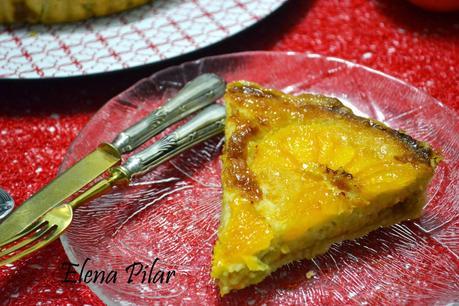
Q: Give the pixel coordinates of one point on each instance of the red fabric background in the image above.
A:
(38, 120)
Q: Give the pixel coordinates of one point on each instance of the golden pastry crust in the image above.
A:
(303, 172)
(58, 11)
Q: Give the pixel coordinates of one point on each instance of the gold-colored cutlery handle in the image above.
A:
(194, 96)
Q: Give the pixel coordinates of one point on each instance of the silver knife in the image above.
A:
(194, 96)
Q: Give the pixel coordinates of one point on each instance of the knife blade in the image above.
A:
(194, 96)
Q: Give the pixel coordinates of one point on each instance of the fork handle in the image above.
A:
(204, 125)
(194, 96)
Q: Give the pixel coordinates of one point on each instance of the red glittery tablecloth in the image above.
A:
(38, 120)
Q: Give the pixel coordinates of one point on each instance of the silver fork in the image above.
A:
(48, 228)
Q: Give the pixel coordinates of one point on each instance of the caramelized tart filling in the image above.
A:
(302, 172)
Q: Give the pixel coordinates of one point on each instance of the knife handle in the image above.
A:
(194, 96)
(204, 125)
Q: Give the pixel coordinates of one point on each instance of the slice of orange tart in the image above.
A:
(303, 172)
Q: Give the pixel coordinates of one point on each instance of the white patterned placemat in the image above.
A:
(151, 33)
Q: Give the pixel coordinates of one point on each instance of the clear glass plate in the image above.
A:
(173, 212)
